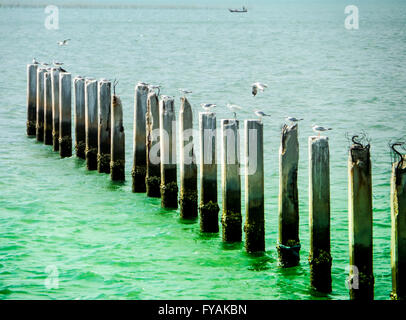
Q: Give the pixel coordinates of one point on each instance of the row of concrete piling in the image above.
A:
(99, 139)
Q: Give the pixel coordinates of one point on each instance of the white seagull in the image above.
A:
(293, 119)
(63, 42)
(207, 106)
(319, 129)
(57, 64)
(258, 86)
(44, 64)
(261, 114)
(234, 108)
(34, 61)
(185, 91)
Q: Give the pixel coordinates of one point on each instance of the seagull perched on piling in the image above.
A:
(34, 61)
(234, 108)
(63, 42)
(207, 106)
(57, 64)
(261, 114)
(319, 129)
(44, 64)
(185, 91)
(258, 86)
(293, 119)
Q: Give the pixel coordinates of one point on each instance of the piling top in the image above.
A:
(103, 81)
(315, 138)
(141, 87)
(90, 80)
(78, 78)
(168, 105)
(359, 153)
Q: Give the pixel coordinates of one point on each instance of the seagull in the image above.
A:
(34, 61)
(57, 64)
(207, 106)
(185, 91)
(258, 86)
(261, 114)
(320, 129)
(234, 108)
(63, 42)
(152, 87)
(44, 64)
(293, 119)
(166, 98)
(142, 84)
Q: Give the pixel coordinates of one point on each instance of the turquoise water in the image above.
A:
(108, 243)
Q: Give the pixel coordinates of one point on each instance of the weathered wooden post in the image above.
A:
(398, 243)
(80, 118)
(40, 105)
(208, 173)
(188, 168)
(153, 174)
(91, 123)
(55, 108)
(360, 223)
(117, 163)
(231, 183)
(31, 98)
(47, 108)
(169, 186)
(139, 152)
(289, 244)
(104, 126)
(319, 214)
(65, 114)
(254, 185)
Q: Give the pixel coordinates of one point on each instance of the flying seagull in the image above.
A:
(261, 114)
(207, 106)
(320, 129)
(258, 86)
(63, 42)
(293, 119)
(234, 108)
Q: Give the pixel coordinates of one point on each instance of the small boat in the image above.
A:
(244, 9)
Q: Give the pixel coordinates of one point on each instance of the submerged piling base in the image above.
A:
(91, 158)
(209, 217)
(153, 184)
(117, 171)
(65, 146)
(320, 271)
(103, 162)
(232, 226)
(80, 148)
(31, 128)
(138, 174)
(188, 205)
(169, 195)
(289, 254)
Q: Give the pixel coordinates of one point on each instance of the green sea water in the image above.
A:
(59, 221)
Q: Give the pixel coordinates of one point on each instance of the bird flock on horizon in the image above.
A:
(255, 88)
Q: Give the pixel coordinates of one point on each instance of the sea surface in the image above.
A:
(67, 233)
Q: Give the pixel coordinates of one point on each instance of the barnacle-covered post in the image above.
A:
(289, 244)
(153, 173)
(55, 108)
(208, 173)
(169, 186)
(231, 183)
(79, 116)
(360, 222)
(91, 123)
(104, 126)
(40, 105)
(398, 243)
(139, 152)
(117, 163)
(319, 214)
(65, 114)
(47, 108)
(31, 98)
(254, 187)
(188, 168)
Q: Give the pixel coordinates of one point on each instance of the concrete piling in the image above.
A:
(79, 116)
(398, 242)
(31, 99)
(231, 182)
(319, 214)
(153, 171)
(289, 244)
(208, 173)
(65, 114)
(360, 223)
(139, 151)
(48, 108)
(169, 186)
(104, 126)
(254, 187)
(55, 108)
(117, 162)
(188, 168)
(91, 123)
(40, 105)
